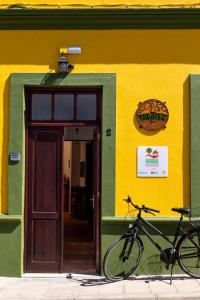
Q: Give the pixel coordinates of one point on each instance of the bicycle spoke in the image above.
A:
(192, 241)
(121, 259)
(189, 254)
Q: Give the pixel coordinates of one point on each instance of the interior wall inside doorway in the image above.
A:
(78, 252)
(74, 166)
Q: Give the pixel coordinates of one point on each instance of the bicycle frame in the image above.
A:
(140, 223)
(179, 248)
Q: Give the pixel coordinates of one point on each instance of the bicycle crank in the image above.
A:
(168, 256)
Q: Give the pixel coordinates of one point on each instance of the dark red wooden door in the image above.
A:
(44, 200)
(96, 197)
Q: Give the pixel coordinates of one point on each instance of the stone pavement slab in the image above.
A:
(90, 287)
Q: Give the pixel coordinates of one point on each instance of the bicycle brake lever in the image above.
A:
(127, 200)
(147, 211)
(152, 213)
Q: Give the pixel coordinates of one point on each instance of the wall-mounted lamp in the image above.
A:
(74, 50)
(63, 64)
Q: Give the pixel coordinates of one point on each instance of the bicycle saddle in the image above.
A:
(183, 211)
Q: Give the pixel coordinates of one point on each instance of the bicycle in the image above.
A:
(123, 256)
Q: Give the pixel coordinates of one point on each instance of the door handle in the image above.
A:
(92, 200)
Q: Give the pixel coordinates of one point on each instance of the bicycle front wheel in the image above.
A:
(188, 250)
(122, 258)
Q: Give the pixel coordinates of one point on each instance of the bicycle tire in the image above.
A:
(117, 268)
(188, 253)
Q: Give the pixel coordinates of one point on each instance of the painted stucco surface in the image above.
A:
(105, 3)
(148, 64)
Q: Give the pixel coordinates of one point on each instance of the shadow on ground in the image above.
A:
(103, 281)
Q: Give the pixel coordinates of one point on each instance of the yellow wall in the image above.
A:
(148, 64)
(106, 3)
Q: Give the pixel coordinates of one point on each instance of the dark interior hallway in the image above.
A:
(78, 246)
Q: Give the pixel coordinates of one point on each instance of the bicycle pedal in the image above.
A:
(167, 267)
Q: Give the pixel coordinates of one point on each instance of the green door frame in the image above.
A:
(16, 172)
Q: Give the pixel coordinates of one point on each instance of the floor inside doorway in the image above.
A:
(78, 246)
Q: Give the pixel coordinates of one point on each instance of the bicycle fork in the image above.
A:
(128, 244)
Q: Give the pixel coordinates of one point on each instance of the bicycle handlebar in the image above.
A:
(144, 208)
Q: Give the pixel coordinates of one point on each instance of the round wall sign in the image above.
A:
(152, 114)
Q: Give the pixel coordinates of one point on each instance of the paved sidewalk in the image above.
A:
(89, 287)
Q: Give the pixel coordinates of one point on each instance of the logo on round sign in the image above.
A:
(152, 114)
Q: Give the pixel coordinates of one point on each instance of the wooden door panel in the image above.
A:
(44, 203)
(44, 233)
(46, 169)
(43, 215)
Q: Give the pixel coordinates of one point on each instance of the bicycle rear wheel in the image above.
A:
(188, 251)
(122, 258)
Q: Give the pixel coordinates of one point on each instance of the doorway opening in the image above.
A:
(78, 223)
(63, 181)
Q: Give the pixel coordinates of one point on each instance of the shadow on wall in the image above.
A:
(101, 46)
(186, 141)
(4, 157)
(9, 228)
(152, 265)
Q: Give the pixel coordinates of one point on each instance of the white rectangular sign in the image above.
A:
(152, 161)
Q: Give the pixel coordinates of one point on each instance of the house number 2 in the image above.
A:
(108, 132)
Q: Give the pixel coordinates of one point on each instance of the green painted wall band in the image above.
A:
(96, 18)
(195, 141)
(6, 218)
(116, 220)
